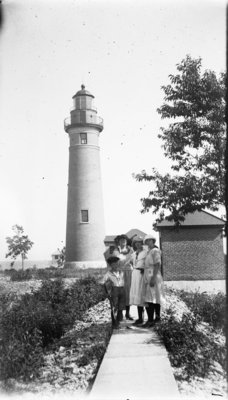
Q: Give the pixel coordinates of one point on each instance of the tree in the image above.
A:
(19, 244)
(195, 142)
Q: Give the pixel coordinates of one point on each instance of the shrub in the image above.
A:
(53, 273)
(49, 273)
(39, 318)
(187, 346)
(21, 275)
(210, 308)
(9, 272)
(21, 343)
(21, 354)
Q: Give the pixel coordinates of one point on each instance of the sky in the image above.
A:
(123, 51)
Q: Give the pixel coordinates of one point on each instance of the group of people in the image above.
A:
(134, 278)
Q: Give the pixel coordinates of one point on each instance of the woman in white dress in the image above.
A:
(124, 252)
(154, 287)
(137, 281)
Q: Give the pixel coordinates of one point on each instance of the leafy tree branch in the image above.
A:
(194, 104)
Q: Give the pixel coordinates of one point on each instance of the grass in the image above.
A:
(51, 273)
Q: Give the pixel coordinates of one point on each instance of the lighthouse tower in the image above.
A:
(85, 230)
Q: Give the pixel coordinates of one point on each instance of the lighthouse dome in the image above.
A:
(83, 92)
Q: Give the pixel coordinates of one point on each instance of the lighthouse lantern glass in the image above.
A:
(83, 103)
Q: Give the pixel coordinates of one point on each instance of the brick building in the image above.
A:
(194, 252)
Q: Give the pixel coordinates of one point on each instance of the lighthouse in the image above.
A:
(85, 228)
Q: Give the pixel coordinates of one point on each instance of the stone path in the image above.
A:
(133, 369)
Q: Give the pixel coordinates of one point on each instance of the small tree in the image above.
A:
(19, 244)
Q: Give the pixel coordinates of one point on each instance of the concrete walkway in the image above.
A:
(133, 369)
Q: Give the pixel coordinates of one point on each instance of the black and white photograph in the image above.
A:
(113, 212)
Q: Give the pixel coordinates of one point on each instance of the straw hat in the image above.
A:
(149, 237)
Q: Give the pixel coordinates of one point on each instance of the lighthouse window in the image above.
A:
(84, 215)
(83, 137)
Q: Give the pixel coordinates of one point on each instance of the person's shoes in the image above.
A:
(148, 324)
(154, 322)
(138, 322)
(129, 317)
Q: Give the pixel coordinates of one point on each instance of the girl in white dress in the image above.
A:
(137, 281)
(154, 287)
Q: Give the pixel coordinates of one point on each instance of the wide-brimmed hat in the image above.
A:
(149, 237)
(112, 259)
(137, 238)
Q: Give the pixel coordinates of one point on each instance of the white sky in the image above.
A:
(123, 51)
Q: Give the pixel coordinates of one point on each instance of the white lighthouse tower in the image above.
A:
(85, 229)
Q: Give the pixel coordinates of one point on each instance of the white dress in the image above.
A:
(137, 280)
(154, 294)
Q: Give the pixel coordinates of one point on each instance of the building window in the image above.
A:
(83, 137)
(84, 215)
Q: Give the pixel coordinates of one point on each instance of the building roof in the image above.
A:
(197, 218)
(109, 238)
(130, 234)
(135, 232)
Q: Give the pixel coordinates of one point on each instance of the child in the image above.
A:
(114, 285)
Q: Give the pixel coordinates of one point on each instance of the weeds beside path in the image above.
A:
(196, 348)
(70, 365)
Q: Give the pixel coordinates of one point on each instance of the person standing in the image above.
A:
(113, 281)
(124, 252)
(137, 280)
(154, 287)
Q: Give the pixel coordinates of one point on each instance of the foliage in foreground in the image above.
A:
(37, 319)
(189, 347)
(210, 308)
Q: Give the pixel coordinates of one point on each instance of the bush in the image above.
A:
(49, 273)
(187, 346)
(22, 275)
(9, 272)
(37, 319)
(53, 273)
(21, 354)
(210, 308)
